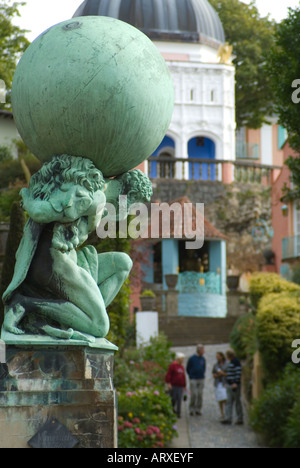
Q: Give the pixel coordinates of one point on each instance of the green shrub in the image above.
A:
(7, 199)
(243, 336)
(265, 283)
(274, 414)
(278, 323)
(292, 428)
(11, 170)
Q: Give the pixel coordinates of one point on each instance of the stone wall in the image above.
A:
(235, 210)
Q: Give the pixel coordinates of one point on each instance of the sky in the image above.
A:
(39, 15)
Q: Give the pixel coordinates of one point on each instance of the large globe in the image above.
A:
(94, 87)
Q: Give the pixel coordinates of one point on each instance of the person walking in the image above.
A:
(233, 375)
(176, 381)
(196, 368)
(220, 381)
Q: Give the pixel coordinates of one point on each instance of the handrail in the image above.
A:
(165, 159)
(212, 170)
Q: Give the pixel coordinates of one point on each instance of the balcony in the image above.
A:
(210, 170)
(291, 248)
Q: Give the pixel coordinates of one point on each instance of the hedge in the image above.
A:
(265, 283)
(276, 414)
(278, 325)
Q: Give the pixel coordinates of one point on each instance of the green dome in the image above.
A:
(94, 87)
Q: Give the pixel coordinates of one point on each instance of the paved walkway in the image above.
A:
(206, 431)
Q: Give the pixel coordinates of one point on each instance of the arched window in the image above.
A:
(201, 147)
(164, 169)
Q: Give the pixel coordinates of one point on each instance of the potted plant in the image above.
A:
(148, 301)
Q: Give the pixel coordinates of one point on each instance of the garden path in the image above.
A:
(206, 431)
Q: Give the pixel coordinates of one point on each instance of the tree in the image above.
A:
(251, 37)
(12, 43)
(284, 70)
(17, 223)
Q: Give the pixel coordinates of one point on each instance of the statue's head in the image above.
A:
(65, 189)
(70, 188)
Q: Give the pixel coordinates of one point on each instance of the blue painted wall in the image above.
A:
(202, 305)
(217, 260)
(170, 258)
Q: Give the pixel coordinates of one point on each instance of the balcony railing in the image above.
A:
(291, 247)
(210, 170)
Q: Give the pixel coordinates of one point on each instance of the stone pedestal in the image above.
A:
(237, 303)
(172, 302)
(72, 384)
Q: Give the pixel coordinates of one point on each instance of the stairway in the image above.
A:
(187, 331)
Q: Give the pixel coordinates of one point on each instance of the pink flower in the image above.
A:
(154, 429)
(137, 430)
(149, 431)
(121, 428)
(136, 421)
(159, 444)
(128, 424)
(129, 394)
(156, 392)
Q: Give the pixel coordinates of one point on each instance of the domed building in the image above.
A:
(190, 35)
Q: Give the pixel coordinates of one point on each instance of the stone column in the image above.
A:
(72, 384)
(171, 302)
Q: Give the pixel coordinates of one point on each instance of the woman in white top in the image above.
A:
(219, 381)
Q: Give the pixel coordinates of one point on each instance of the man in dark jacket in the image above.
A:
(233, 376)
(196, 367)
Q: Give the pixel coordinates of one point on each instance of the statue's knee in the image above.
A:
(123, 262)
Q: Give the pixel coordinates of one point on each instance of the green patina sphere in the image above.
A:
(94, 87)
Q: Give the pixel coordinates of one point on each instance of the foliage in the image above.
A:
(12, 171)
(146, 417)
(251, 37)
(292, 427)
(275, 413)
(5, 154)
(283, 62)
(150, 421)
(17, 223)
(243, 336)
(147, 293)
(265, 283)
(12, 42)
(278, 323)
(7, 199)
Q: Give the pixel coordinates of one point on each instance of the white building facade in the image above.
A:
(189, 35)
